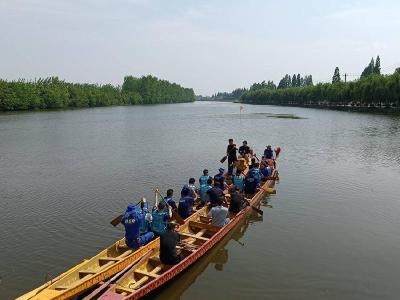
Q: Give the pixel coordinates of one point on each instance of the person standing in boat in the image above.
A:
(268, 153)
(185, 207)
(219, 179)
(160, 218)
(170, 200)
(244, 149)
(168, 242)
(219, 214)
(232, 158)
(132, 221)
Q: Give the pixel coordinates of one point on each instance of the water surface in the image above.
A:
(333, 231)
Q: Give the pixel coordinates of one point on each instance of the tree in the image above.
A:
(377, 67)
(294, 80)
(336, 76)
(369, 70)
(298, 80)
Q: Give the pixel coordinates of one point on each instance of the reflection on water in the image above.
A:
(217, 257)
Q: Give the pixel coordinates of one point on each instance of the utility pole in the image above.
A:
(345, 77)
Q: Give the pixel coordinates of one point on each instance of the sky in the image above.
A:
(209, 46)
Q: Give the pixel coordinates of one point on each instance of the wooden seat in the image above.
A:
(207, 227)
(138, 283)
(186, 234)
(145, 273)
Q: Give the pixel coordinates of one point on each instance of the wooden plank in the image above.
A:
(203, 226)
(142, 272)
(139, 282)
(193, 236)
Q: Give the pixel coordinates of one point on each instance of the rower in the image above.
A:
(204, 189)
(204, 178)
(185, 203)
(160, 218)
(168, 242)
(170, 200)
(132, 221)
(219, 214)
(237, 200)
(250, 185)
(231, 153)
(268, 153)
(266, 171)
(219, 179)
(255, 170)
(214, 194)
(147, 218)
(238, 180)
(192, 188)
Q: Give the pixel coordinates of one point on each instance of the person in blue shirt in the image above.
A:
(146, 220)
(219, 179)
(213, 195)
(250, 185)
(255, 170)
(204, 178)
(160, 218)
(170, 200)
(185, 204)
(268, 152)
(204, 189)
(238, 180)
(132, 221)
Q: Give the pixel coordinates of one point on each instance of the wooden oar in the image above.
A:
(254, 208)
(117, 220)
(177, 217)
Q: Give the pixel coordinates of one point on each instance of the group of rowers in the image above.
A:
(142, 224)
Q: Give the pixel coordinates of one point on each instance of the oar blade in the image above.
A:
(117, 220)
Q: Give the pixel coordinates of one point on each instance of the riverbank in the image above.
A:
(53, 93)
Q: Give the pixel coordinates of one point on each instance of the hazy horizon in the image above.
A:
(209, 46)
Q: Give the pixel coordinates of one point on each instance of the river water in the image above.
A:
(332, 231)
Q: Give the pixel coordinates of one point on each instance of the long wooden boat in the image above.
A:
(150, 273)
(90, 272)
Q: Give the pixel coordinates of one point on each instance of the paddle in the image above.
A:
(226, 156)
(177, 217)
(118, 219)
(254, 208)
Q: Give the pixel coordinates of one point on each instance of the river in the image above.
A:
(332, 231)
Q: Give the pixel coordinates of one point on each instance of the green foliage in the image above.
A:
(372, 68)
(51, 93)
(368, 91)
(295, 81)
(336, 76)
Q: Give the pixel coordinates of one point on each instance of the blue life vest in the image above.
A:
(238, 181)
(144, 226)
(203, 180)
(132, 220)
(203, 191)
(159, 223)
(219, 180)
(256, 174)
(185, 206)
(171, 203)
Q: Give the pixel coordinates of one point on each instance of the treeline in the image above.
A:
(371, 90)
(50, 93)
(368, 91)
